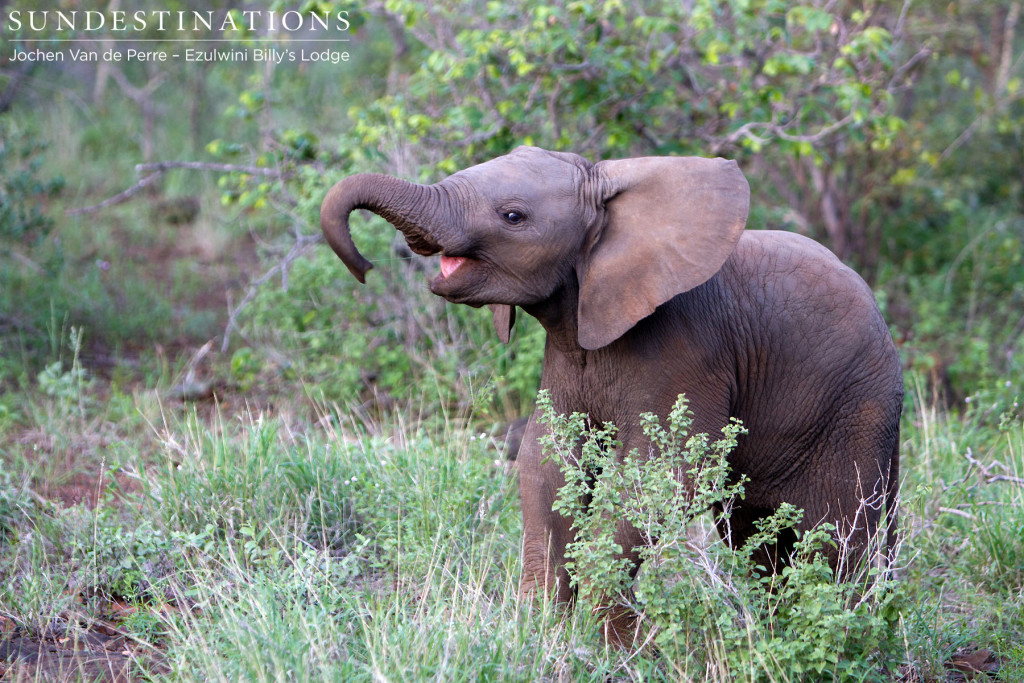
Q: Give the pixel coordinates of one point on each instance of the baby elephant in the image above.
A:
(648, 286)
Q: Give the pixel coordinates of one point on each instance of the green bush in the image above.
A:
(708, 607)
(22, 192)
(391, 337)
(16, 506)
(28, 262)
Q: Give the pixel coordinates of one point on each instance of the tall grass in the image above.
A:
(312, 544)
(964, 524)
(352, 554)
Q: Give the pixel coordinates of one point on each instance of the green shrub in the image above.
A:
(17, 506)
(22, 191)
(135, 558)
(391, 337)
(706, 605)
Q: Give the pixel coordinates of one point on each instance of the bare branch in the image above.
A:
(744, 131)
(162, 166)
(1005, 59)
(138, 95)
(26, 261)
(898, 75)
(156, 170)
(1006, 477)
(777, 131)
(958, 513)
(986, 470)
(302, 244)
(816, 137)
(117, 198)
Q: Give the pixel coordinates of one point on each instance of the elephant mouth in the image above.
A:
(449, 264)
(457, 278)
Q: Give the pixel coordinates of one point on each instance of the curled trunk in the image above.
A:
(418, 211)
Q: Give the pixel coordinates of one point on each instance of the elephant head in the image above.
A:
(625, 235)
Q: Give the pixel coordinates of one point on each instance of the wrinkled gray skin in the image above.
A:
(648, 287)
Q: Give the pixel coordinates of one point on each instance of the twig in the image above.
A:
(1005, 477)
(744, 131)
(301, 245)
(1009, 26)
(116, 199)
(921, 55)
(162, 166)
(986, 470)
(815, 137)
(779, 131)
(156, 170)
(26, 261)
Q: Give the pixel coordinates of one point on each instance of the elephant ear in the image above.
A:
(670, 223)
(504, 316)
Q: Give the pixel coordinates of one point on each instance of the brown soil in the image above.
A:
(93, 650)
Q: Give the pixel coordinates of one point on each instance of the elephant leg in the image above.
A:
(853, 502)
(892, 495)
(546, 535)
(860, 499)
(545, 532)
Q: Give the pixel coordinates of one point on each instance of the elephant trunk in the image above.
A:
(420, 212)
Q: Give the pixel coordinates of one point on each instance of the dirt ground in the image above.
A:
(87, 650)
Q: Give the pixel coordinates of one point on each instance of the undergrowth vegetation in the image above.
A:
(315, 485)
(251, 549)
(704, 605)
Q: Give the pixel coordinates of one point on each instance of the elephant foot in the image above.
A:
(621, 626)
(543, 581)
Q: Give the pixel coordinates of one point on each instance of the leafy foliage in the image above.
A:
(618, 79)
(22, 192)
(394, 337)
(848, 119)
(709, 607)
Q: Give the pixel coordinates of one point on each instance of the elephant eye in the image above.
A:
(513, 217)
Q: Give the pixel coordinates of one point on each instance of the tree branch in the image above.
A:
(157, 169)
(986, 470)
(1006, 58)
(302, 245)
(117, 198)
(162, 166)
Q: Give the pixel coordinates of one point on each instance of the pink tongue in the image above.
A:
(449, 264)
